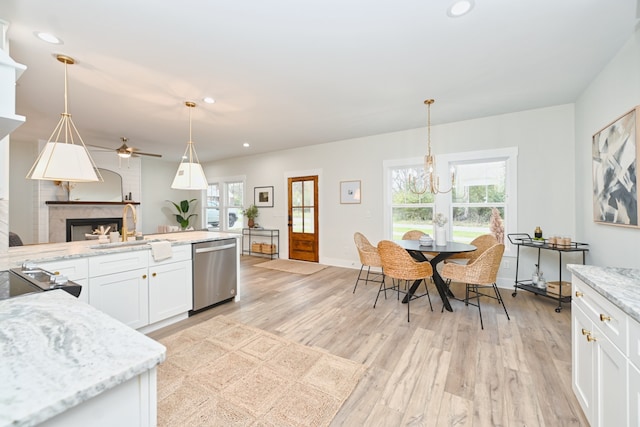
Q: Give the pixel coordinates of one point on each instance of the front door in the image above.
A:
(303, 218)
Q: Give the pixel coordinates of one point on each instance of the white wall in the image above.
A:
(157, 176)
(615, 91)
(546, 170)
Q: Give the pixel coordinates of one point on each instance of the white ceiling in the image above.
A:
(289, 73)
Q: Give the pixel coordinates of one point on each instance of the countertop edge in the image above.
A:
(621, 286)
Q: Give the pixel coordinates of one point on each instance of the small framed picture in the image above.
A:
(350, 192)
(263, 197)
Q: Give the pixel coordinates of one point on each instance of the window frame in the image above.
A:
(442, 202)
(223, 205)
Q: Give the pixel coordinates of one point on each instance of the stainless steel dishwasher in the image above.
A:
(215, 274)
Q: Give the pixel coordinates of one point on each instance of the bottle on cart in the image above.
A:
(537, 233)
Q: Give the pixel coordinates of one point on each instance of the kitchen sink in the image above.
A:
(117, 245)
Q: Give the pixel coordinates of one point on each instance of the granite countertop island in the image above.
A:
(621, 286)
(69, 250)
(58, 352)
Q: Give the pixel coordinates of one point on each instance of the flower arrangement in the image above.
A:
(440, 220)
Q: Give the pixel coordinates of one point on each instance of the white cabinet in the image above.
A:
(76, 270)
(119, 286)
(600, 357)
(634, 396)
(139, 291)
(170, 285)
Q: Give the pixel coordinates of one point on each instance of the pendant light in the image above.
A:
(190, 175)
(430, 182)
(64, 160)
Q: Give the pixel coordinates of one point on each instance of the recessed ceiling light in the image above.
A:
(246, 145)
(208, 100)
(460, 8)
(48, 37)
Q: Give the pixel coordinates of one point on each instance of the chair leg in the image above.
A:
(499, 297)
(476, 291)
(406, 286)
(358, 279)
(429, 296)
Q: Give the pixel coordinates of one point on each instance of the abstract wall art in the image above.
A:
(615, 152)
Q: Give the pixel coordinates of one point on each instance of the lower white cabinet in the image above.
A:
(168, 294)
(123, 296)
(600, 363)
(634, 396)
(139, 291)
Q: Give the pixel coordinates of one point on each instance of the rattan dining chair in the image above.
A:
(400, 267)
(482, 243)
(413, 235)
(369, 257)
(477, 275)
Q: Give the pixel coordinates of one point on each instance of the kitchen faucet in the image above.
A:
(125, 231)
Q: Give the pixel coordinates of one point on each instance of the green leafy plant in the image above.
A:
(183, 217)
(251, 212)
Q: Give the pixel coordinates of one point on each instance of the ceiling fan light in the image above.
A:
(124, 154)
(64, 162)
(189, 176)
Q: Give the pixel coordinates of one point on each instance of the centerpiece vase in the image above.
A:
(440, 236)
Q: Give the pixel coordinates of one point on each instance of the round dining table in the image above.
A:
(441, 253)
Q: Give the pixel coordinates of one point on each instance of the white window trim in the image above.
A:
(510, 154)
(443, 200)
(222, 183)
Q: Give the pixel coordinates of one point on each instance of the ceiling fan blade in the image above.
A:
(99, 147)
(145, 154)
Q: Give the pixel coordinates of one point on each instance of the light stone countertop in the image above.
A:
(621, 286)
(57, 352)
(69, 250)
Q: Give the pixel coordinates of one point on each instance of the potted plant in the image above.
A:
(251, 213)
(183, 216)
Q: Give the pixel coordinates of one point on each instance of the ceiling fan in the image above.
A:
(124, 151)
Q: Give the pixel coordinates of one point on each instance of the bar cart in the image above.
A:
(524, 240)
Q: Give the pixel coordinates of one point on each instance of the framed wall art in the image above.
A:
(350, 192)
(615, 151)
(263, 197)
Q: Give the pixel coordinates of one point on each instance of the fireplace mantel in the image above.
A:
(55, 202)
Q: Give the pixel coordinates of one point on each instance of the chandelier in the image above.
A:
(429, 181)
(62, 159)
(190, 175)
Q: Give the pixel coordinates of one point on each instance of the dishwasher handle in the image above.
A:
(215, 248)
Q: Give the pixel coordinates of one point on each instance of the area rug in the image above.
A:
(224, 373)
(291, 266)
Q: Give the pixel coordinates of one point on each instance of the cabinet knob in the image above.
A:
(144, 276)
(579, 294)
(590, 338)
(154, 274)
(585, 332)
(604, 318)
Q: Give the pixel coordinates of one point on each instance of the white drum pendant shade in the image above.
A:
(190, 176)
(64, 162)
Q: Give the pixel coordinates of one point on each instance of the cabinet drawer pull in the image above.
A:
(154, 274)
(604, 318)
(585, 332)
(590, 338)
(144, 276)
(579, 294)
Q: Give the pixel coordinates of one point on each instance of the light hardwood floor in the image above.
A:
(440, 369)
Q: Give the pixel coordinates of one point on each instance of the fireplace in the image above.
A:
(78, 227)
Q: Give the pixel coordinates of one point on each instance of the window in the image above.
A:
(485, 186)
(484, 194)
(224, 205)
(409, 211)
